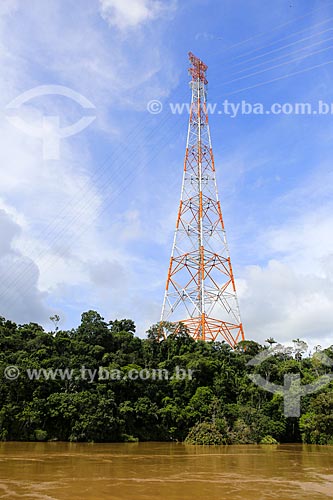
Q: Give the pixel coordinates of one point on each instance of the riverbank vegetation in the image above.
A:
(207, 398)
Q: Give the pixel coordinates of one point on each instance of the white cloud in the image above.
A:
(132, 13)
(8, 6)
(8, 230)
(291, 296)
(128, 226)
(80, 51)
(57, 250)
(20, 298)
(109, 274)
(56, 246)
(279, 302)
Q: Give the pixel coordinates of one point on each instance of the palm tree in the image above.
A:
(271, 341)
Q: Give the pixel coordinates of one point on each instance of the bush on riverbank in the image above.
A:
(205, 433)
(268, 440)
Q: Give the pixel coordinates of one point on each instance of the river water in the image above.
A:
(151, 471)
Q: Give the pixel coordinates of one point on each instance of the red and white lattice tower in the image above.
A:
(200, 289)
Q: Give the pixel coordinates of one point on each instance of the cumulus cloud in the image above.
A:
(279, 302)
(8, 230)
(53, 229)
(8, 6)
(55, 245)
(109, 274)
(132, 13)
(291, 294)
(20, 298)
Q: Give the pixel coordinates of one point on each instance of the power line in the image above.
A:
(282, 38)
(277, 65)
(284, 46)
(281, 57)
(280, 78)
(125, 182)
(84, 201)
(82, 196)
(274, 28)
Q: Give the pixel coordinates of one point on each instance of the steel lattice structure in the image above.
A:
(200, 288)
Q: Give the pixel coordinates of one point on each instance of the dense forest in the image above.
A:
(210, 401)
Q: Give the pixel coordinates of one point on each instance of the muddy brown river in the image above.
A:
(150, 471)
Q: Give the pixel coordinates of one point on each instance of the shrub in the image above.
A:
(205, 433)
(40, 435)
(268, 440)
(3, 434)
(127, 438)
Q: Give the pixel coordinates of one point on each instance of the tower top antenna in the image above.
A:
(198, 68)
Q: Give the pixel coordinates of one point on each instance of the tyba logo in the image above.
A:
(292, 390)
(50, 131)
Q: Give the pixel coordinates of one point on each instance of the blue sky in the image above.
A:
(93, 229)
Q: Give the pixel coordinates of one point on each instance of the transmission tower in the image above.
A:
(200, 288)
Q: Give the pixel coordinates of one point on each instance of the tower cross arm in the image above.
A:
(198, 68)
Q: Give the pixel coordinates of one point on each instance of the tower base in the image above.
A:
(210, 329)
